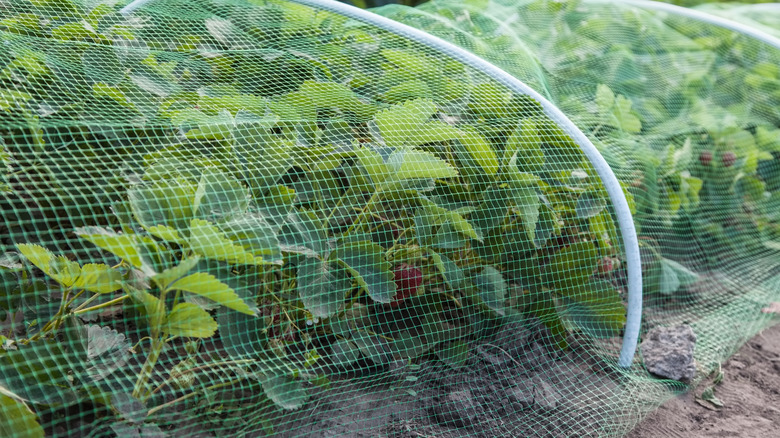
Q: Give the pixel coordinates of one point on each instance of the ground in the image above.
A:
(750, 393)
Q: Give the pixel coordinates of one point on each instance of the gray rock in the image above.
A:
(457, 409)
(668, 352)
(533, 391)
(545, 395)
(521, 394)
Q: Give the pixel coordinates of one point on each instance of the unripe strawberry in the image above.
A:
(728, 159)
(407, 280)
(705, 158)
(606, 265)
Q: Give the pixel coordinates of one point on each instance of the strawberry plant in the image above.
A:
(360, 201)
(703, 144)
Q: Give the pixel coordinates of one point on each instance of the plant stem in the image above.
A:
(336, 208)
(54, 321)
(137, 344)
(363, 212)
(139, 390)
(190, 395)
(76, 296)
(281, 306)
(100, 306)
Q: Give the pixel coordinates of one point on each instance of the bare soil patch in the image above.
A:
(750, 393)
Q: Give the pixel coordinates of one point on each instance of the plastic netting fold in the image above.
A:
(268, 217)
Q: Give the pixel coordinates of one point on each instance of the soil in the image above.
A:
(749, 392)
(515, 385)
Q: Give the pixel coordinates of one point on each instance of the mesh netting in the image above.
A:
(251, 218)
(762, 17)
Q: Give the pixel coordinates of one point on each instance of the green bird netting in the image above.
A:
(298, 218)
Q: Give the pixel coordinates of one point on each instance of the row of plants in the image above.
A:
(686, 114)
(306, 195)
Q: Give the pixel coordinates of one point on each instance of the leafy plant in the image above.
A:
(357, 201)
(699, 155)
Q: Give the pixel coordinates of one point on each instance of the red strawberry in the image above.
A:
(407, 280)
(705, 158)
(728, 159)
(606, 265)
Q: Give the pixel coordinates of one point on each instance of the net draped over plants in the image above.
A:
(269, 218)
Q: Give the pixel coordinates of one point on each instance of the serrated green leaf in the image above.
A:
(155, 314)
(255, 235)
(685, 275)
(335, 95)
(99, 278)
(17, 420)
(627, 119)
(58, 268)
(437, 215)
(374, 348)
(589, 204)
(435, 132)
(366, 262)
(219, 196)
(492, 288)
(169, 275)
(544, 308)
(398, 124)
(168, 202)
(407, 163)
(187, 319)
(302, 233)
(481, 151)
(264, 161)
(286, 392)
(276, 205)
(320, 291)
(123, 246)
(597, 309)
(523, 150)
(545, 226)
(490, 100)
(527, 202)
(414, 89)
(373, 163)
(207, 286)
(570, 267)
(447, 237)
(344, 353)
(492, 211)
(453, 275)
(241, 334)
(210, 242)
(605, 98)
(408, 60)
(166, 233)
(407, 345)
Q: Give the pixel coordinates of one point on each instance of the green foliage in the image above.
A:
(17, 420)
(266, 200)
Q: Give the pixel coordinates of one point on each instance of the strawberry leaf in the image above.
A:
(207, 286)
(366, 262)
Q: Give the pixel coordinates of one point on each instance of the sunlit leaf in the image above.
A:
(207, 286)
(99, 278)
(187, 319)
